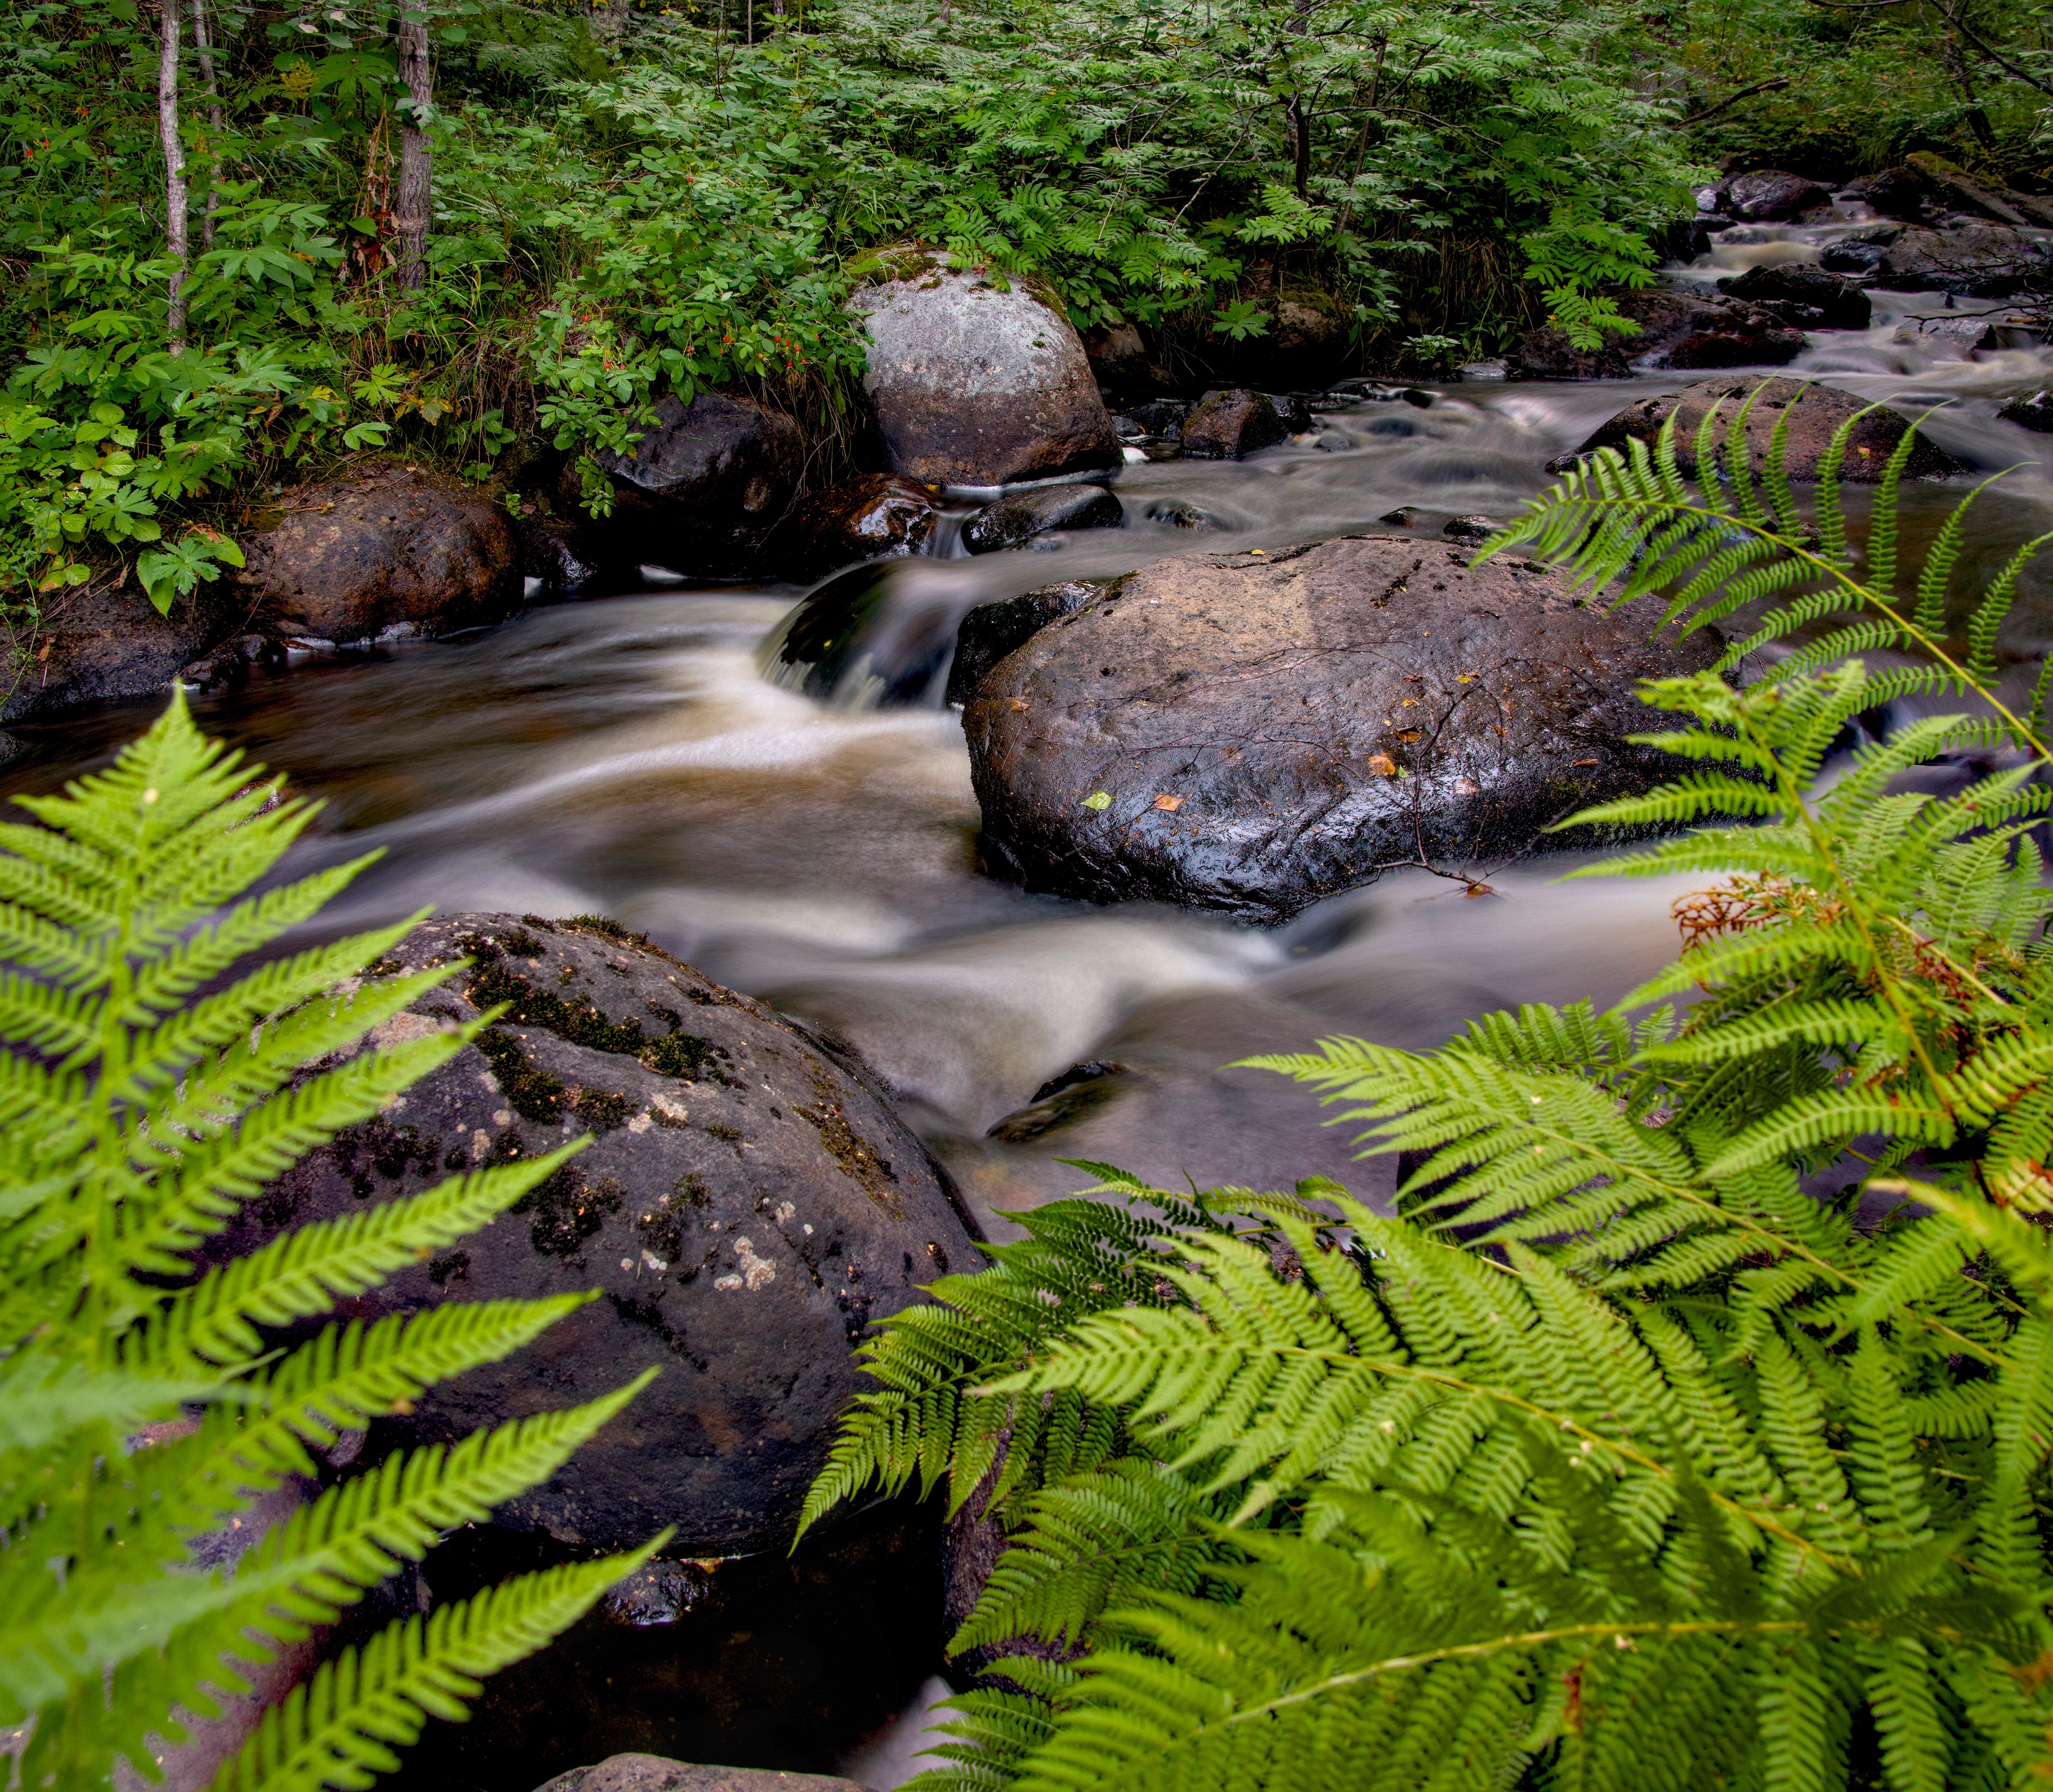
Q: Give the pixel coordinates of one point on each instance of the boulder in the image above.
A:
(94, 644)
(1814, 412)
(2035, 413)
(653, 1772)
(1974, 260)
(703, 489)
(1018, 518)
(977, 379)
(1247, 735)
(1677, 329)
(991, 631)
(1769, 196)
(344, 561)
(749, 1205)
(1225, 425)
(1897, 193)
(1803, 295)
(1958, 189)
(874, 516)
(1118, 357)
(1305, 343)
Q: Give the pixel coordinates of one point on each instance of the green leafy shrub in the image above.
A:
(1689, 1422)
(142, 1101)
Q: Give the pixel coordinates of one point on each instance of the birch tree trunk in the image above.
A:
(174, 174)
(410, 214)
(204, 49)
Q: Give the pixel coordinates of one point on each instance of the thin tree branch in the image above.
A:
(1744, 92)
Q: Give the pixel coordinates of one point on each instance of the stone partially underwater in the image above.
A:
(1247, 734)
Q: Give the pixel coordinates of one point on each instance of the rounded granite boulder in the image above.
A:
(748, 1206)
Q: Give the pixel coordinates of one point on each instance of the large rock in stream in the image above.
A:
(345, 560)
(1247, 734)
(1677, 329)
(703, 489)
(1814, 412)
(749, 1205)
(977, 379)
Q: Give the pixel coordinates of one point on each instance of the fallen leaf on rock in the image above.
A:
(1467, 787)
(1170, 803)
(1585, 762)
(1383, 765)
(1018, 705)
(1098, 800)
(1407, 734)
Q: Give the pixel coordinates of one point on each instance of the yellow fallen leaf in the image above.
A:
(1098, 800)
(1383, 765)
(1170, 803)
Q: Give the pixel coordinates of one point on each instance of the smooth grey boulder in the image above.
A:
(1246, 735)
(749, 1204)
(1024, 515)
(977, 379)
(703, 488)
(653, 1772)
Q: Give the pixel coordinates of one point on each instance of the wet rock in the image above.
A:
(344, 560)
(654, 1773)
(1814, 411)
(1965, 336)
(1677, 329)
(231, 662)
(2035, 413)
(992, 630)
(1483, 370)
(1013, 520)
(875, 515)
(1974, 260)
(977, 384)
(866, 638)
(1403, 517)
(1803, 296)
(1247, 735)
(1769, 196)
(1227, 425)
(1958, 189)
(750, 1204)
(562, 551)
(657, 1593)
(1179, 513)
(1160, 416)
(1472, 530)
(705, 487)
(93, 645)
(1897, 193)
(1857, 256)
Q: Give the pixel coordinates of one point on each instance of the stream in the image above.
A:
(624, 756)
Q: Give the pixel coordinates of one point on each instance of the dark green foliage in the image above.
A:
(1623, 1455)
(144, 1100)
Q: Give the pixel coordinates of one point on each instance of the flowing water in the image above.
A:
(623, 755)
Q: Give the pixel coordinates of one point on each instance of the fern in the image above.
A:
(1615, 1457)
(140, 1115)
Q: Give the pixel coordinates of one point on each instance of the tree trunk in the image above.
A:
(174, 174)
(205, 50)
(410, 217)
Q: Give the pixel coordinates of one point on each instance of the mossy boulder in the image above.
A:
(749, 1205)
